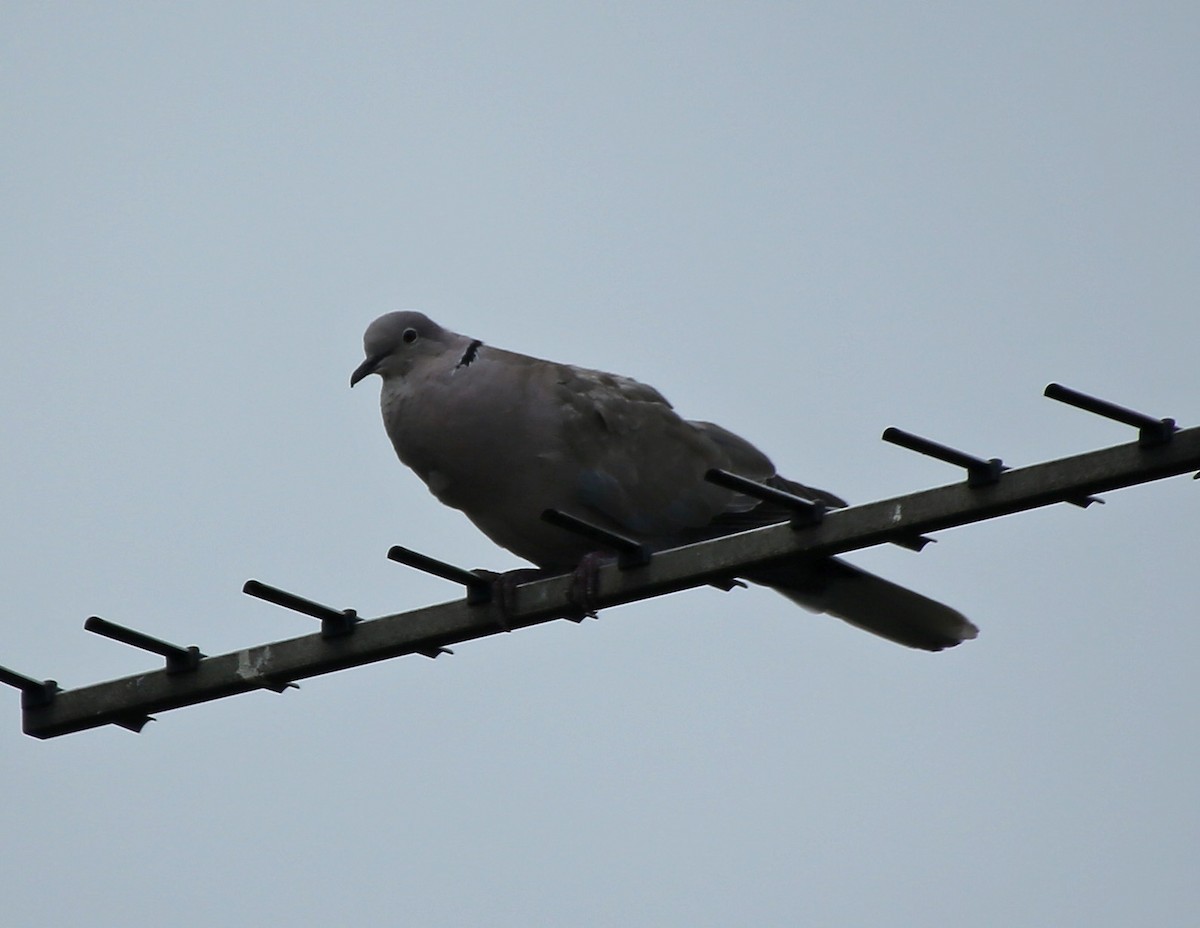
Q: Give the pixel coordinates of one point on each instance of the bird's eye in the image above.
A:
(409, 336)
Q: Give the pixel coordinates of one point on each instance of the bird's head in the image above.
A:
(396, 342)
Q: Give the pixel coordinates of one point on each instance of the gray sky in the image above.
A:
(804, 221)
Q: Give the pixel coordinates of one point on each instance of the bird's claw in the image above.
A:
(585, 585)
(504, 590)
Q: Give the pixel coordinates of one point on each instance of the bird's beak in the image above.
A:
(367, 367)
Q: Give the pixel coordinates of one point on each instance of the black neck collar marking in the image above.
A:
(469, 354)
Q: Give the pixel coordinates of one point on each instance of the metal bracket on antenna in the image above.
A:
(980, 472)
(334, 623)
(1151, 431)
(34, 693)
(805, 512)
(479, 589)
(630, 553)
(37, 694)
(179, 660)
(914, 542)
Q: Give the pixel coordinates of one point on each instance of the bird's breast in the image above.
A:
(474, 442)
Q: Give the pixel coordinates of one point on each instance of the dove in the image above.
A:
(503, 436)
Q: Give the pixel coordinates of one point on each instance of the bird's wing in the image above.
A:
(637, 462)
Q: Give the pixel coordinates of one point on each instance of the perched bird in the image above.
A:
(503, 437)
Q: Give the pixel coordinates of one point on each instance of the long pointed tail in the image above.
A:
(869, 602)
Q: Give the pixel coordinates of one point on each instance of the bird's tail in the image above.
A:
(869, 602)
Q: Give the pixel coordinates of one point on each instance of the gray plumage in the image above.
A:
(502, 436)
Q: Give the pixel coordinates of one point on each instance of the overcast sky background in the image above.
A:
(804, 221)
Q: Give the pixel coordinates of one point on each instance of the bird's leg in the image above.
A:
(504, 589)
(585, 582)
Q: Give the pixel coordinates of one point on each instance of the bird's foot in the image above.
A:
(504, 590)
(585, 584)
